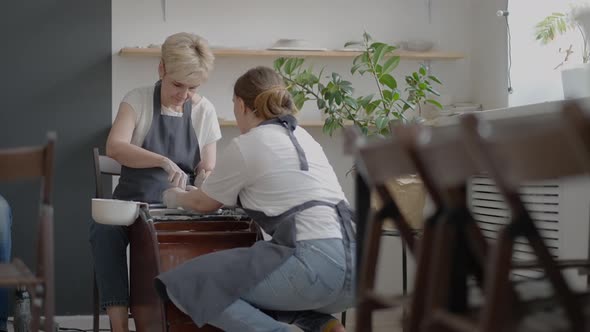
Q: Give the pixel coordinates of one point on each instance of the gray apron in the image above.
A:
(208, 284)
(169, 136)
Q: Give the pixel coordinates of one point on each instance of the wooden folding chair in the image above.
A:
(458, 248)
(377, 163)
(20, 164)
(514, 152)
(103, 165)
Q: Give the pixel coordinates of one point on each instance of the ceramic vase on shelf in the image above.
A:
(575, 81)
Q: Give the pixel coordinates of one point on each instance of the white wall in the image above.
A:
(258, 23)
(468, 26)
(489, 54)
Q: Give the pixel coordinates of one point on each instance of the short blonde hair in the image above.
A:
(187, 58)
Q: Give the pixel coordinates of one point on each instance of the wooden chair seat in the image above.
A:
(17, 273)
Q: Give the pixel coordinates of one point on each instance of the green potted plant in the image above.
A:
(574, 77)
(335, 98)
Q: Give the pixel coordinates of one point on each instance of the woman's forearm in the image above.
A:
(208, 158)
(196, 200)
(133, 156)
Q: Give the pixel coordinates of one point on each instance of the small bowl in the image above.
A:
(418, 45)
(114, 212)
(290, 43)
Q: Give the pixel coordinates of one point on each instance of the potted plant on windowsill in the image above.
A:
(335, 98)
(575, 77)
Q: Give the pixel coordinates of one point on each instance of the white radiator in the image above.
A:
(560, 209)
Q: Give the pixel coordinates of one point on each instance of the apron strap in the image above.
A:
(290, 123)
(346, 220)
(259, 215)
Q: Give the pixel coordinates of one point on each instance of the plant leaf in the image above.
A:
(388, 95)
(372, 106)
(434, 78)
(435, 103)
(357, 59)
(381, 122)
(377, 45)
(328, 126)
(380, 50)
(299, 99)
(546, 29)
(321, 104)
(356, 67)
(389, 81)
(367, 99)
(335, 77)
(352, 43)
(406, 105)
(351, 102)
(391, 64)
(431, 90)
(278, 63)
(290, 66)
(298, 62)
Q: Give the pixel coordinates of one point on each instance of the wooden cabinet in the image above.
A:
(160, 246)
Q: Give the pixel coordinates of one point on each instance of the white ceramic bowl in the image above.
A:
(417, 45)
(114, 212)
(290, 43)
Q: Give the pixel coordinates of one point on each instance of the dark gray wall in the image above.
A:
(55, 60)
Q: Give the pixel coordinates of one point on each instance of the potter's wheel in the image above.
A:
(158, 213)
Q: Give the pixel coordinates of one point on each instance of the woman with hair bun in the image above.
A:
(281, 177)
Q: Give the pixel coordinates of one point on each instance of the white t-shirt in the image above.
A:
(203, 116)
(262, 167)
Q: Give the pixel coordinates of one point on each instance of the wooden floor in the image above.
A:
(383, 321)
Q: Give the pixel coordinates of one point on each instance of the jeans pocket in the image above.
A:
(314, 277)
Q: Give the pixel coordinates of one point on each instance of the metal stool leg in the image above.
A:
(96, 306)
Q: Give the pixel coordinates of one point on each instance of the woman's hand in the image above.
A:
(176, 176)
(171, 197)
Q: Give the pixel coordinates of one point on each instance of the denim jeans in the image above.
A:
(109, 251)
(5, 250)
(305, 291)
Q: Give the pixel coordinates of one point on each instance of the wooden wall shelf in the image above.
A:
(235, 52)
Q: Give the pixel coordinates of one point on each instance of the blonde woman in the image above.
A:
(164, 135)
(280, 175)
